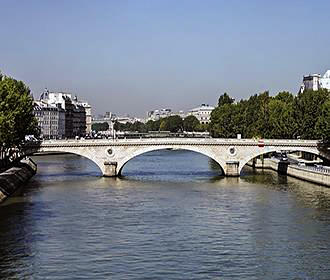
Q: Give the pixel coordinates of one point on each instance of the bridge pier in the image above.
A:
(232, 169)
(110, 169)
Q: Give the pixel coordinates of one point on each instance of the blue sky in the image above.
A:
(134, 56)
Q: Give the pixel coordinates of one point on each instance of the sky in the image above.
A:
(130, 57)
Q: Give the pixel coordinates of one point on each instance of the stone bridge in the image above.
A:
(230, 154)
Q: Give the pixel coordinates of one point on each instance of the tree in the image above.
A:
(262, 125)
(202, 127)
(323, 123)
(285, 96)
(258, 116)
(16, 114)
(307, 108)
(282, 122)
(222, 121)
(190, 123)
(281, 116)
(225, 99)
(152, 125)
(100, 126)
(138, 126)
(172, 124)
(163, 125)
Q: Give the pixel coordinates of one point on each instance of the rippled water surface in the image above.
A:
(170, 217)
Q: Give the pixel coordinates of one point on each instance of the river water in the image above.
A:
(170, 217)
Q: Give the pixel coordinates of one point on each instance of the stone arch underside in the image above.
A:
(86, 153)
(142, 150)
(253, 155)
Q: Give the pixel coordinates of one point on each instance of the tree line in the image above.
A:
(171, 123)
(284, 116)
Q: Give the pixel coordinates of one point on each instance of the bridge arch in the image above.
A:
(83, 153)
(253, 155)
(147, 149)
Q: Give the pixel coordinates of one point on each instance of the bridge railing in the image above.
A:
(267, 142)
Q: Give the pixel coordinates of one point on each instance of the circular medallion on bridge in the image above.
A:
(232, 150)
(110, 152)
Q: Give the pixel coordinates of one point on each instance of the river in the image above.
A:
(171, 216)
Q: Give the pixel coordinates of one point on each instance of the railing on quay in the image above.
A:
(320, 169)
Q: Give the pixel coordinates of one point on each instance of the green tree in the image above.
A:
(190, 123)
(100, 126)
(323, 123)
(307, 108)
(16, 114)
(282, 116)
(202, 127)
(121, 126)
(225, 99)
(153, 125)
(282, 122)
(138, 126)
(172, 124)
(164, 125)
(262, 125)
(285, 96)
(223, 121)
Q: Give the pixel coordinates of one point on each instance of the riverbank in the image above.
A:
(310, 175)
(14, 178)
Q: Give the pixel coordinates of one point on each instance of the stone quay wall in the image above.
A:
(16, 177)
(314, 176)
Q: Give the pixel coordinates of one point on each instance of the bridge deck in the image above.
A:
(179, 141)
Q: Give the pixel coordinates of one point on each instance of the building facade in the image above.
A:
(202, 113)
(315, 82)
(88, 110)
(325, 80)
(157, 114)
(51, 120)
(77, 114)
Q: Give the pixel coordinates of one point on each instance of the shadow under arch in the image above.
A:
(75, 153)
(154, 149)
(316, 152)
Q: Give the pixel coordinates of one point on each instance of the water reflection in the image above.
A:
(312, 195)
(176, 166)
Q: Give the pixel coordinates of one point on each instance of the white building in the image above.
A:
(202, 113)
(316, 82)
(81, 109)
(325, 80)
(157, 114)
(51, 120)
(88, 110)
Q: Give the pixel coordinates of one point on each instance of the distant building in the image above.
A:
(325, 80)
(202, 113)
(78, 115)
(88, 110)
(108, 115)
(157, 114)
(315, 82)
(111, 119)
(51, 120)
